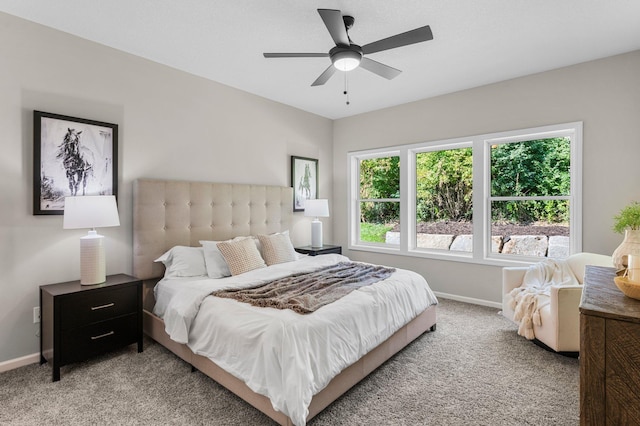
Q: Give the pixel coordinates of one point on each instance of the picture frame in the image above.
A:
(72, 156)
(304, 181)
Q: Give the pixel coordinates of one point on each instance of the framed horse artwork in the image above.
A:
(304, 180)
(72, 157)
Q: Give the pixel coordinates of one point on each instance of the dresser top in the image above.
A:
(601, 297)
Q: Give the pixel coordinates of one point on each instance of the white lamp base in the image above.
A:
(92, 264)
(316, 233)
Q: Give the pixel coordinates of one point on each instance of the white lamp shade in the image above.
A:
(316, 208)
(90, 211)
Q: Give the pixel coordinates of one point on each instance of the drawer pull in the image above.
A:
(102, 335)
(108, 305)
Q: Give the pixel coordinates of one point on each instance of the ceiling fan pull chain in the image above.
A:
(346, 87)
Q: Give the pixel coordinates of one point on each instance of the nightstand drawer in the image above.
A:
(80, 343)
(81, 309)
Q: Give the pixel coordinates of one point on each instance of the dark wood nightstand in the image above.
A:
(81, 321)
(315, 251)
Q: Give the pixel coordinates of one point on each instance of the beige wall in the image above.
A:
(604, 94)
(172, 125)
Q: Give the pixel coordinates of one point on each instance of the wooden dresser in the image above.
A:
(609, 352)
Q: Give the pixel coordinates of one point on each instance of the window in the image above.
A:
(509, 196)
(444, 193)
(531, 189)
(378, 199)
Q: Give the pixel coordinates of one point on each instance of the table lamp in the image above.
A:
(91, 211)
(316, 208)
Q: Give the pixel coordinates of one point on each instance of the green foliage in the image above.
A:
(628, 218)
(374, 233)
(532, 168)
(444, 185)
(380, 178)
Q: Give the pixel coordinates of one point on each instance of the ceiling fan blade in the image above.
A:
(334, 23)
(381, 69)
(404, 39)
(295, 55)
(325, 76)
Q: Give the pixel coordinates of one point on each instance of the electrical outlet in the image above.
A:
(36, 314)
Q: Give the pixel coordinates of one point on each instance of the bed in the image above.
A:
(179, 213)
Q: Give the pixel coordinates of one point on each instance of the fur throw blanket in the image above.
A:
(527, 300)
(306, 292)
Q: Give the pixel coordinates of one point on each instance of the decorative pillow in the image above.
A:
(182, 261)
(277, 248)
(241, 255)
(214, 261)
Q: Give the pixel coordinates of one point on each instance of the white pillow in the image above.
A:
(277, 248)
(241, 255)
(214, 261)
(182, 261)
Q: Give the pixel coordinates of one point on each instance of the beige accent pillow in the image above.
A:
(277, 248)
(241, 255)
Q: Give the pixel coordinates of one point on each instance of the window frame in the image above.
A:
(481, 169)
(412, 218)
(355, 200)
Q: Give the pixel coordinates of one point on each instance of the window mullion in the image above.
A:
(531, 198)
(407, 193)
(379, 200)
(481, 208)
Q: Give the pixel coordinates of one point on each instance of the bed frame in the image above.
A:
(169, 213)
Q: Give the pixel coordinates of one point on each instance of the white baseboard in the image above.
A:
(19, 362)
(471, 300)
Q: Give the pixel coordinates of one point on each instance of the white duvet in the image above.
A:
(283, 355)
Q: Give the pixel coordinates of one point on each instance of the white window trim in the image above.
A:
(481, 145)
(353, 181)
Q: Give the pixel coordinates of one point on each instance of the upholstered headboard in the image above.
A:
(169, 213)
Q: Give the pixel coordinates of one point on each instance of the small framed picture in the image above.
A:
(304, 180)
(71, 157)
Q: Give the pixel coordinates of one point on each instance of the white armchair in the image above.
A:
(560, 318)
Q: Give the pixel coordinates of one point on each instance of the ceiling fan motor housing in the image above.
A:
(348, 21)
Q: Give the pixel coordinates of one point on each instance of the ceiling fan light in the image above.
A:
(346, 64)
(346, 60)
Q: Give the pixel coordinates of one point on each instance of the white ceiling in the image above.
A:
(475, 42)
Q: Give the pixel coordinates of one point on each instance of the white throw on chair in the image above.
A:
(559, 324)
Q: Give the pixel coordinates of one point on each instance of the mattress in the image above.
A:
(283, 355)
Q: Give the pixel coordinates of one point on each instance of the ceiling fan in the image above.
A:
(346, 56)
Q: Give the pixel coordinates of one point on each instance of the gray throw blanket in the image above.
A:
(308, 291)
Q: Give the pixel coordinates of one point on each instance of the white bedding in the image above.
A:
(278, 353)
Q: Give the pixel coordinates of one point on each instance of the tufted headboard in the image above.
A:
(168, 213)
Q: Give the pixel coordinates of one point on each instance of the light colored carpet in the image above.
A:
(473, 370)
